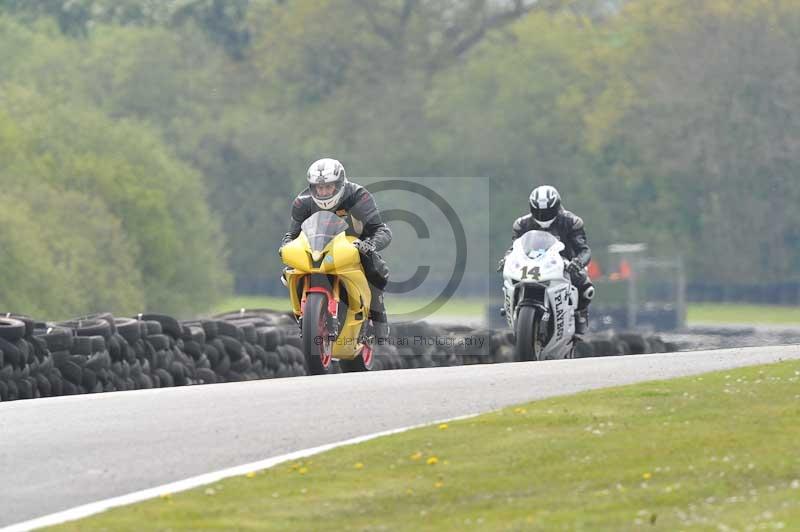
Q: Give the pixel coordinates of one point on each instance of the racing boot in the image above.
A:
(582, 312)
(377, 314)
(581, 322)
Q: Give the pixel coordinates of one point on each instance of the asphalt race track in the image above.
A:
(64, 452)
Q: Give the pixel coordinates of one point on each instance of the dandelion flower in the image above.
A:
(433, 460)
(438, 484)
(303, 470)
(416, 456)
(647, 476)
(359, 465)
(251, 474)
(443, 426)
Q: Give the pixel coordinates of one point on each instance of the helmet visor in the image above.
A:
(325, 191)
(545, 215)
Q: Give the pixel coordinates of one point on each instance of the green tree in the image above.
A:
(713, 135)
(158, 202)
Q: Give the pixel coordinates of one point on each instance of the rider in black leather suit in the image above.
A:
(329, 189)
(547, 214)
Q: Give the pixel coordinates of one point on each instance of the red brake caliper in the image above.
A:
(366, 354)
(324, 352)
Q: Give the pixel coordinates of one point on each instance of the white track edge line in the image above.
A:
(86, 510)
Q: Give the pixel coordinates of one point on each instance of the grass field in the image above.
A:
(713, 452)
(749, 314)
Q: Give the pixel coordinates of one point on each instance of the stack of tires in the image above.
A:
(421, 344)
(624, 344)
(258, 344)
(105, 353)
(26, 367)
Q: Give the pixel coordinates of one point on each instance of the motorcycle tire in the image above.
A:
(316, 346)
(527, 331)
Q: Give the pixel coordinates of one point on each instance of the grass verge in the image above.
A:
(749, 314)
(717, 451)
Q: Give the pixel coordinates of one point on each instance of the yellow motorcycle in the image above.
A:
(330, 295)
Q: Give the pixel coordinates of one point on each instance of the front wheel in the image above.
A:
(526, 327)
(317, 347)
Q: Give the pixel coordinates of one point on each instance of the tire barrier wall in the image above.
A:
(104, 353)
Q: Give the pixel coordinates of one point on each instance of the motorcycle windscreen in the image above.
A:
(321, 227)
(536, 243)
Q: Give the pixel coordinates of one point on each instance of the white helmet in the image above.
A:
(327, 172)
(545, 205)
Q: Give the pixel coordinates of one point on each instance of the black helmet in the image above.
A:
(545, 205)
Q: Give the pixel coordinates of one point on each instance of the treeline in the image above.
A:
(98, 211)
(672, 122)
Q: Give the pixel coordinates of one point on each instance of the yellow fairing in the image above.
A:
(340, 259)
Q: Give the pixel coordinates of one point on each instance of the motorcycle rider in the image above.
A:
(547, 214)
(329, 189)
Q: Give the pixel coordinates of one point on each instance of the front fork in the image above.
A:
(332, 322)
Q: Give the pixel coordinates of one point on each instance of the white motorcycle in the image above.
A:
(540, 300)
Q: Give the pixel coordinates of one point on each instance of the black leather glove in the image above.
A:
(365, 247)
(501, 264)
(574, 266)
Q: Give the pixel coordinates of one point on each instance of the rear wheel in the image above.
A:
(528, 344)
(363, 362)
(317, 347)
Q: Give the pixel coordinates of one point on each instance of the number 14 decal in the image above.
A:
(534, 273)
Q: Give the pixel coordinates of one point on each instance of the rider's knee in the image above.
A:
(588, 293)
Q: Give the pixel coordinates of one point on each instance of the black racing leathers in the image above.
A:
(568, 228)
(357, 207)
(364, 221)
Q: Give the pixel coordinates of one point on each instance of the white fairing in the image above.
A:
(527, 263)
